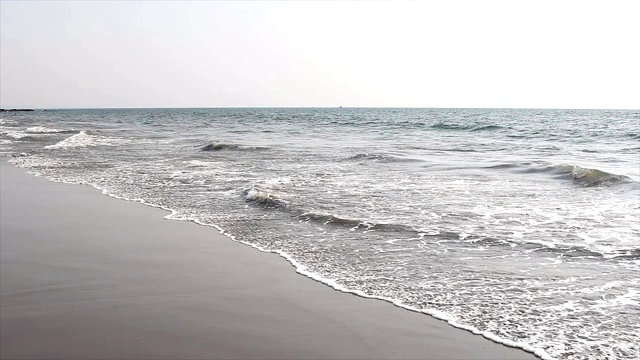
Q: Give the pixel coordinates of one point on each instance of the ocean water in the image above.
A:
(520, 225)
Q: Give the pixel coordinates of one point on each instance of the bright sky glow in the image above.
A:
(526, 53)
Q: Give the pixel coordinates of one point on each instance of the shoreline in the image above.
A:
(356, 326)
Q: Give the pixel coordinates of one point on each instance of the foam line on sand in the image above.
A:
(84, 275)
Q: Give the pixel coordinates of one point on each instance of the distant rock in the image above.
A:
(8, 110)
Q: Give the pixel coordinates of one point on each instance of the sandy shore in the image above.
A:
(83, 275)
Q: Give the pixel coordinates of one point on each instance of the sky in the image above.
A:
(470, 54)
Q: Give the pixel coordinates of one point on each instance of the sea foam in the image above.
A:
(42, 130)
(82, 139)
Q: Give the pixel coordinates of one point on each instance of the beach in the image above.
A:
(231, 179)
(84, 275)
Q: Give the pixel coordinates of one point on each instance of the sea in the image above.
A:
(521, 225)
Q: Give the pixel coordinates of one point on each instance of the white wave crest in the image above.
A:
(82, 139)
(42, 130)
(16, 134)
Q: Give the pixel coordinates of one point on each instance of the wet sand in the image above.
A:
(83, 275)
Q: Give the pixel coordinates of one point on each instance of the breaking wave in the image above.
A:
(33, 133)
(584, 177)
(24, 136)
(16, 134)
(45, 130)
(269, 200)
(328, 219)
(565, 250)
(264, 199)
(82, 139)
(343, 215)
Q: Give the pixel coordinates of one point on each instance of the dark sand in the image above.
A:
(83, 275)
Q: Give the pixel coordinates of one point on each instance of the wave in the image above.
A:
(268, 200)
(23, 136)
(503, 166)
(379, 157)
(564, 250)
(45, 130)
(82, 139)
(569, 251)
(264, 199)
(633, 135)
(487, 128)
(588, 177)
(454, 149)
(32, 133)
(328, 219)
(7, 122)
(303, 270)
(20, 155)
(581, 251)
(15, 134)
(443, 126)
(584, 177)
(223, 146)
(632, 254)
(474, 127)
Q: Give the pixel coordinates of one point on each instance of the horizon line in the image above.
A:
(8, 109)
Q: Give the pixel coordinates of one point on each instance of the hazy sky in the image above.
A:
(526, 53)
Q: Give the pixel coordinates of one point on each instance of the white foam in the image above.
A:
(302, 269)
(31, 162)
(276, 181)
(42, 130)
(629, 298)
(82, 139)
(257, 195)
(16, 134)
(32, 131)
(199, 163)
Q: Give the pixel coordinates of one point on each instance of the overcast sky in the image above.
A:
(549, 54)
